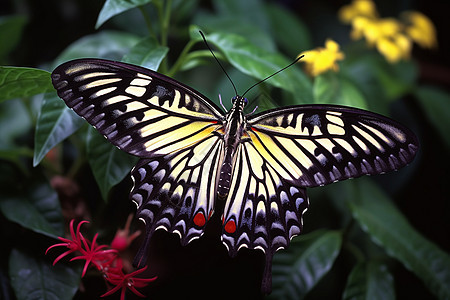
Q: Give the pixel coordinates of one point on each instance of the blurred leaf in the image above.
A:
(115, 7)
(397, 79)
(109, 164)
(105, 44)
(291, 33)
(17, 82)
(35, 207)
(370, 280)
(11, 28)
(360, 70)
(243, 12)
(390, 229)
(436, 106)
(147, 53)
(55, 123)
(259, 63)
(228, 23)
(15, 121)
(35, 278)
(380, 81)
(297, 269)
(330, 88)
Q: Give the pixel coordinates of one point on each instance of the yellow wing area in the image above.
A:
(315, 145)
(263, 209)
(141, 112)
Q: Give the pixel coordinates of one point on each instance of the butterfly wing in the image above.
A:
(316, 145)
(140, 111)
(283, 151)
(175, 130)
(176, 192)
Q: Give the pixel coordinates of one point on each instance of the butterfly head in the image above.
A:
(239, 101)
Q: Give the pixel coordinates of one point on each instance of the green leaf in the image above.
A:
(105, 44)
(436, 106)
(109, 164)
(35, 278)
(397, 79)
(115, 7)
(329, 88)
(55, 123)
(299, 268)
(390, 229)
(17, 82)
(291, 33)
(11, 28)
(15, 121)
(370, 280)
(260, 63)
(243, 27)
(147, 53)
(36, 208)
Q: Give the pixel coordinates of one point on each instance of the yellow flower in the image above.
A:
(395, 48)
(321, 59)
(385, 34)
(374, 29)
(364, 8)
(420, 29)
(392, 38)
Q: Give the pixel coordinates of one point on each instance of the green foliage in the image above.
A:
(299, 268)
(23, 82)
(28, 271)
(41, 139)
(370, 280)
(109, 164)
(389, 228)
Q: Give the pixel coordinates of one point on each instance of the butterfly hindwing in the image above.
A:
(316, 145)
(140, 111)
(263, 210)
(176, 192)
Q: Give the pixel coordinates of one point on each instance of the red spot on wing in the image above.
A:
(199, 219)
(230, 226)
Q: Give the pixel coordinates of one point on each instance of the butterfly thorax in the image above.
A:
(234, 125)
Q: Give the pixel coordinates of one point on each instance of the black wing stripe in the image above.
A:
(331, 143)
(132, 106)
(267, 211)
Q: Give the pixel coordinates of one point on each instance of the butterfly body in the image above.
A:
(234, 126)
(190, 152)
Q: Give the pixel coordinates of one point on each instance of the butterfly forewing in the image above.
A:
(142, 112)
(317, 145)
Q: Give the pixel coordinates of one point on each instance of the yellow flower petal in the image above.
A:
(320, 60)
(420, 29)
(357, 8)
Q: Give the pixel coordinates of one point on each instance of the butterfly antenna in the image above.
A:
(223, 69)
(261, 81)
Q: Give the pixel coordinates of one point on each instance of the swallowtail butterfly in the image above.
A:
(192, 153)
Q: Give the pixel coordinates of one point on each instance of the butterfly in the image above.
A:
(193, 155)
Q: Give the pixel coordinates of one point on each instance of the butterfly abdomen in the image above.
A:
(223, 185)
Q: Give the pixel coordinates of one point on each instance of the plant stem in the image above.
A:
(181, 59)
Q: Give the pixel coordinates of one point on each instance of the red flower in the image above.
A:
(124, 281)
(92, 253)
(123, 237)
(73, 245)
(106, 261)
